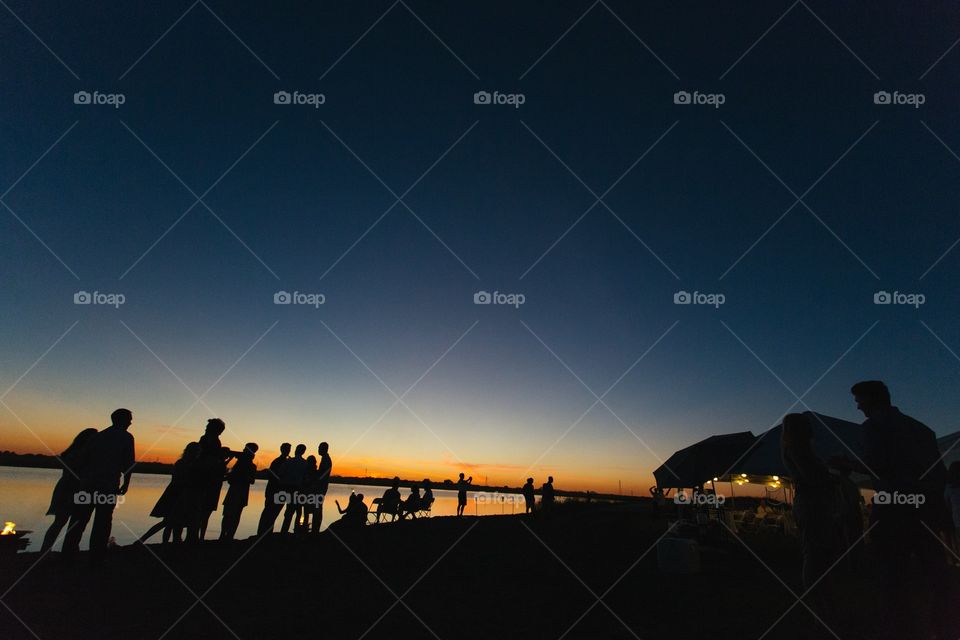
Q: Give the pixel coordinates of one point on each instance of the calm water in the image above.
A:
(25, 496)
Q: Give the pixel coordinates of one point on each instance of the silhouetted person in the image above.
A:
(851, 517)
(411, 505)
(815, 507)
(272, 506)
(62, 500)
(546, 494)
(292, 475)
(241, 476)
(322, 483)
(354, 516)
(105, 460)
(462, 493)
(529, 496)
(903, 454)
(178, 505)
(426, 500)
(213, 462)
(307, 498)
(952, 497)
(390, 502)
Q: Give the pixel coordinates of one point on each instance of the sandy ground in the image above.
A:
(447, 578)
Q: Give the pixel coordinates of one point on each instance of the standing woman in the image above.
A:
(62, 500)
(213, 465)
(816, 506)
(462, 493)
(172, 506)
(241, 476)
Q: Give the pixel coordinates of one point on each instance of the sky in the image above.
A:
(587, 193)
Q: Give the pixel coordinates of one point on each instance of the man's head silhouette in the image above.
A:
(872, 396)
(285, 449)
(323, 448)
(121, 418)
(300, 450)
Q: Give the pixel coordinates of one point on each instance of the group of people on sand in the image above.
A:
(910, 525)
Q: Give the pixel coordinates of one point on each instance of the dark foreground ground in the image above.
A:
(447, 578)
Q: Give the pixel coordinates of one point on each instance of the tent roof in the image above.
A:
(831, 437)
(694, 465)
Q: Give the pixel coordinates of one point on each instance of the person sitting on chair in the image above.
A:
(411, 505)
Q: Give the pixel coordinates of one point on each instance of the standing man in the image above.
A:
(528, 496)
(462, 494)
(291, 485)
(903, 456)
(105, 461)
(241, 476)
(546, 494)
(271, 507)
(324, 468)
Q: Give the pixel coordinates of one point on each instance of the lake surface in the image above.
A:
(25, 496)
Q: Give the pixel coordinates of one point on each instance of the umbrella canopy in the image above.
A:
(694, 465)
(831, 437)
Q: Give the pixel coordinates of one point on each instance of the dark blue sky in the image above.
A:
(798, 99)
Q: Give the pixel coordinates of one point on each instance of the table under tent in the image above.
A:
(740, 480)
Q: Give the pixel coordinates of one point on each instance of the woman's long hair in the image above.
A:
(79, 442)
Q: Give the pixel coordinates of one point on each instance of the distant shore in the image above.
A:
(42, 461)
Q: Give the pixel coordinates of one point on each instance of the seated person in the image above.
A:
(390, 502)
(354, 516)
(427, 499)
(411, 505)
